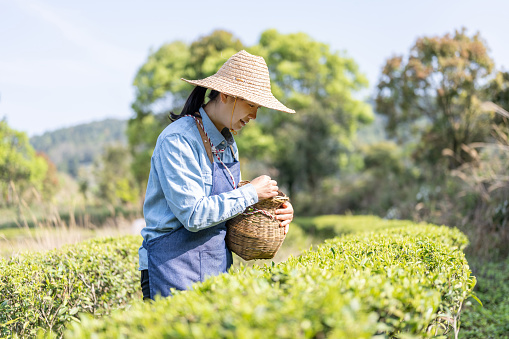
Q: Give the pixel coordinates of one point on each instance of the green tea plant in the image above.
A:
(329, 226)
(47, 290)
(409, 281)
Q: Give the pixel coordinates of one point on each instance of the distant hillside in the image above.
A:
(72, 147)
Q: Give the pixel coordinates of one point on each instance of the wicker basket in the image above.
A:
(257, 235)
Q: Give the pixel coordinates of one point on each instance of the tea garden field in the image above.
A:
(372, 278)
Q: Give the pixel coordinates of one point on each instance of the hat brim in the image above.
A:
(241, 90)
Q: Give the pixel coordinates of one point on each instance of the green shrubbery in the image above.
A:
(408, 280)
(47, 290)
(328, 226)
(491, 320)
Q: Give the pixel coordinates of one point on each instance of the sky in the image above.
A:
(68, 62)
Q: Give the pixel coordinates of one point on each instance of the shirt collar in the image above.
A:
(219, 139)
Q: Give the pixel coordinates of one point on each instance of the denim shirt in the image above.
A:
(180, 182)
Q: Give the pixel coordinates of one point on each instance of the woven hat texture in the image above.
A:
(244, 76)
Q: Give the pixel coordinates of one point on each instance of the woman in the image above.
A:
(192, 187)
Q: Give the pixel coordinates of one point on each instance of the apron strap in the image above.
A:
(233, 153)
(208, 146)
(205, 141)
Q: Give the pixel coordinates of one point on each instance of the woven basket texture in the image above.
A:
(256, 236)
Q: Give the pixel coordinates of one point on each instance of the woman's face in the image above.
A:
(244, 112)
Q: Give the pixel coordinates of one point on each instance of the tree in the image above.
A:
(50, 184)
(435, 95)
(303, 148)
(159, 89)
(74, 147)
(319, 84)
(486, 177)
(498, 91)
(20, 168)
(116, 183)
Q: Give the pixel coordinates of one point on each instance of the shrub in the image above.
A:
(328, 226)
(411, 280)
(47, 290)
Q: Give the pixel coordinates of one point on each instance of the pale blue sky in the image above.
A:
(69, 62)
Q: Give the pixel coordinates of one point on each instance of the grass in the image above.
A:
(43, 225)
(33, 216)
(490, 321)
(14, 241)
(32, 230)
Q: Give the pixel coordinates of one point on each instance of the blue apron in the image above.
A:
(180, 258)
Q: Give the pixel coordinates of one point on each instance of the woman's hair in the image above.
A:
(194, 102)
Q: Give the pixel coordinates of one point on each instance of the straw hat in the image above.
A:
(244, 76)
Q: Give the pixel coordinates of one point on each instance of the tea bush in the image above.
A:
(47, 290)
(329, 226)
(408, 281)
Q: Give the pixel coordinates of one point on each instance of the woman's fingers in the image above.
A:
(286, 210)
(274, 188)
(285, 215)
(286, 225)
(285, 222)
(265, 187)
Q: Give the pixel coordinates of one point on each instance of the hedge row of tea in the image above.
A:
(410, 280)
(329, 226)
(47, 290)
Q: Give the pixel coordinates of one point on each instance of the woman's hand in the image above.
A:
(286, 215)
(265, 187)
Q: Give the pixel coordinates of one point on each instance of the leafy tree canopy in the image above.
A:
(305, 75)
(20, 167)
(157, 83)
(115, 180)
(319, 84)
(437, 92)
(159, 89)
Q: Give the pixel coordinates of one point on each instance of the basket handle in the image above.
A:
(280, 199)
